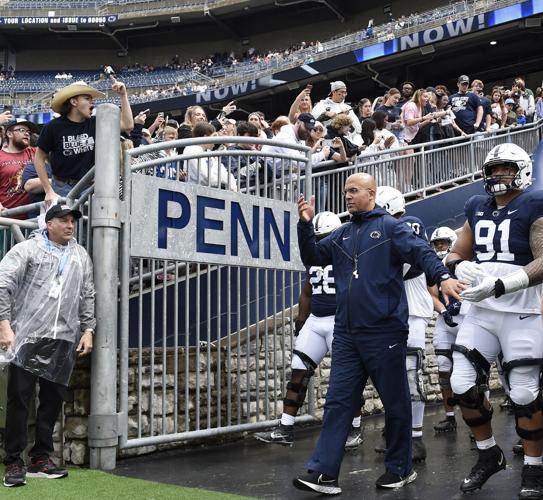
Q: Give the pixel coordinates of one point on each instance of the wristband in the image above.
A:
(513, 282)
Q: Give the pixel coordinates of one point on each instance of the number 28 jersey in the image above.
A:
(501, 244)
(323, 290)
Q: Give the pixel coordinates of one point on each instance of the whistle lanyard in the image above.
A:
(63, 256)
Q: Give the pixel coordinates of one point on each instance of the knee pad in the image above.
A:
(473, 399)
(522, 396)
(516, 363)
(479, 363)
(301, 387)
(527, 411)
(415, 357)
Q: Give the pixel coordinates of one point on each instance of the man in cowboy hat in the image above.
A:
(68, 141)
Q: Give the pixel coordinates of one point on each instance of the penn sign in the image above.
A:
(185, 221)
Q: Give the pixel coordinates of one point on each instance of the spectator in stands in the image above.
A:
(321, 152)
(390, 107)
(340, 126)
(413, 116)
(467, 107)
(415, 121)
(447, 122)
(521, 117)
(245, 169)
(302, 104)
(47, 320)
(68, 141)
(477, 87)
(511, 117)
(376, 142)
(363, 111)
(169, 170)
(136, 134)
(193, 116)
(381, 124)
(407, 89)
(325, 110)
(33, 186)
(15, 155)
(498, 106)
(228, 127)
(207, 171)
(256, 119)
(539, 104)
(279, 122)
(295, 134)
(526, 98)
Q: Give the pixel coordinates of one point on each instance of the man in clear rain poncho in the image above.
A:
(46, 321)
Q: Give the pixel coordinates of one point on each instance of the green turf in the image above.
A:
(85, 484)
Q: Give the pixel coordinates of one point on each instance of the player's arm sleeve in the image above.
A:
(313, 253)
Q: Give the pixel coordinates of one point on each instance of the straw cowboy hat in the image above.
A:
(72, 90)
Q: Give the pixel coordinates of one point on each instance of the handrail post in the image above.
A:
(106, 223)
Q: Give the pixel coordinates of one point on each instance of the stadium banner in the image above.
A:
(186, 221)
(368, 53)
(56, 20)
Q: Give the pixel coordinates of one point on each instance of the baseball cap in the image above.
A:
(463, 79)
(337, 85)
(509, 101)
(308, 120)
(61, 211)
(21, 121)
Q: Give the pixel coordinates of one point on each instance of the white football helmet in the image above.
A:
(390, 199)
(507, 154)
(443, 233)
(325, 222)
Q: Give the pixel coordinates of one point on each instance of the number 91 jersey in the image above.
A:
(501, 244)
(323, 290)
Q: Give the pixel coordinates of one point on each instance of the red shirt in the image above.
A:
(12, 193)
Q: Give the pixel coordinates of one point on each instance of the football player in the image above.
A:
(420, 312)
(445, 330)
(314, 333)
(499, 251)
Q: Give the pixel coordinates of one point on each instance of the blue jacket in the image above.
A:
(374, 246)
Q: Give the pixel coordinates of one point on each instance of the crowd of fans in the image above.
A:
(336, 130)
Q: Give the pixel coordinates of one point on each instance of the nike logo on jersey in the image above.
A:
(509, 212)
(501, 460)
(524, 317)
(391, 346)
(346, 238)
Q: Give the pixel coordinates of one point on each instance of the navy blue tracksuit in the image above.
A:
(371, 328)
